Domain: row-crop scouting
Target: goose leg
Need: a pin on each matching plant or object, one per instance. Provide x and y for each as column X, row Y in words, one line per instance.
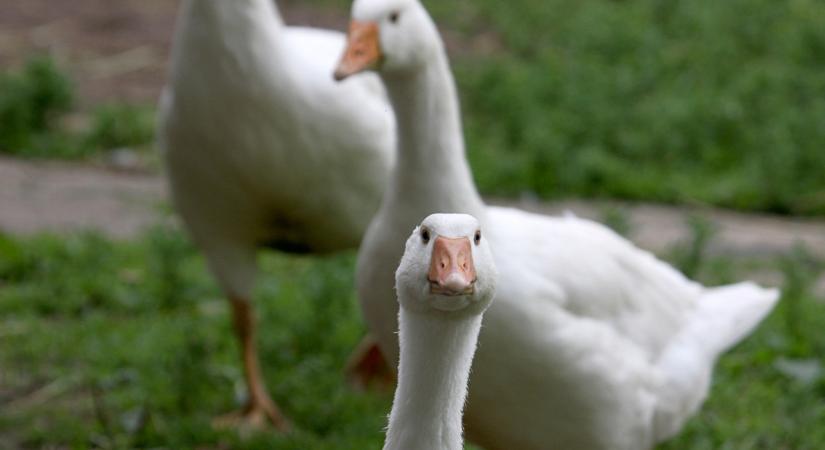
column 259, row 410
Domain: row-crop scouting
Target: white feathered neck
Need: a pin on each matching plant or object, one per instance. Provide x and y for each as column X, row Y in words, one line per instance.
column 237, row 39
column 436, row 355
column 430, row 140
column 222, row 13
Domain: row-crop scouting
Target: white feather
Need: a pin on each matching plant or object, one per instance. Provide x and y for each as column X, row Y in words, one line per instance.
column 262, row 145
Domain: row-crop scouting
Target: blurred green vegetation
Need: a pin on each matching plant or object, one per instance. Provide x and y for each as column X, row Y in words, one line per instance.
column 31, row 101
column 129, row 345
column 693, row 102
column 120, row 125
column 700, row 102
column 35, row 102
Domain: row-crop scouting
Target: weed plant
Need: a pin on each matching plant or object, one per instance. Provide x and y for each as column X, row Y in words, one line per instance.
column 34, row 103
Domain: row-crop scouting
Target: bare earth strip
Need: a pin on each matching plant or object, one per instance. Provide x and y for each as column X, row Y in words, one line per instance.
column 65, row 197
column 38, row 196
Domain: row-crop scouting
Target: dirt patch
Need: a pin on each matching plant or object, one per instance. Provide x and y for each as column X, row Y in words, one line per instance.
column 59, row 196
column 113, row 50
column 117, row 51
column 65, row 197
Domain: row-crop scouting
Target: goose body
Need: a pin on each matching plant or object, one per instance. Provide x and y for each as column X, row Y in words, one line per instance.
column 591, row 342
column 445, row 282
column 263, row 148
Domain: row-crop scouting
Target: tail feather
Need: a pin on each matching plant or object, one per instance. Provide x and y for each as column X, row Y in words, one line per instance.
column 729, row 313
column 725, row 315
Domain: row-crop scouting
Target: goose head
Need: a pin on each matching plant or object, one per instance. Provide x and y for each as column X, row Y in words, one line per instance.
column 447, row 267
column 391, row 36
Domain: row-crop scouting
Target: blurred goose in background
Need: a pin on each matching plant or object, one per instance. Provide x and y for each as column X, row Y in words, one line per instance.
column 445, row 282
column 264, row 149
column 591, row 343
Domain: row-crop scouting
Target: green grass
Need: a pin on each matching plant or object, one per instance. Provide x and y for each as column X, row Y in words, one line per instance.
column 119, row 125
column 762, row 397
column 128, row 344
column 712, row 102
column 35, row 102
column 138, row 342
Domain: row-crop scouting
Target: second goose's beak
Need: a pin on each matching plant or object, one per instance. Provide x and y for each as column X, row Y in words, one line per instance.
column 362, row 52
column 452, row 271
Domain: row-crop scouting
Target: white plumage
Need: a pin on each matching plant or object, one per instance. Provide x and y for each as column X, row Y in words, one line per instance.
column 438, row 331
column 591, row 343
column 262, row 147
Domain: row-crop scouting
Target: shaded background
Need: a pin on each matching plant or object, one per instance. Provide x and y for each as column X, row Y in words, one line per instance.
column 113, row 335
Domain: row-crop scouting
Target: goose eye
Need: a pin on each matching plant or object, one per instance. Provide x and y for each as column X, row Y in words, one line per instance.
column 477, row 237
column 425, row 235
column 394, row 17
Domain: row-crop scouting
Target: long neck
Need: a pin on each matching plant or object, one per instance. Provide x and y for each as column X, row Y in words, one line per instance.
column 432, row 168
column 436, row 355
column 226, row 46
column 232, row 15
column 226, row 35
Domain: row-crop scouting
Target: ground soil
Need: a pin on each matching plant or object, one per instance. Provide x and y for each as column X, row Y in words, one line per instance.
column 117, row 50
column 63, row 197
column 114, row 50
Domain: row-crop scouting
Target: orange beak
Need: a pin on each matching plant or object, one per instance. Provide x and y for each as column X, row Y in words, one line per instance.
column 362, row 51
column 451, row 268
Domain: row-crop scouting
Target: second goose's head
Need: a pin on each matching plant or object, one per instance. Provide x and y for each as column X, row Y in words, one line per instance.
column 392, row 36
column 447, row 267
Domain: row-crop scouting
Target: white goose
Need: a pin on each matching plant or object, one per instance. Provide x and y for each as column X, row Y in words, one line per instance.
column 263, row 148
column 591, row 343
column 445, row 282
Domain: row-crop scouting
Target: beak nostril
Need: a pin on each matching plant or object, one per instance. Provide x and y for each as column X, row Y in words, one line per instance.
column 451, row 266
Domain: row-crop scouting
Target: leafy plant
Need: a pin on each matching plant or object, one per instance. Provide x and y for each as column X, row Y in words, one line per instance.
column 33, row 103
column 119, row 125
column 30, row 103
